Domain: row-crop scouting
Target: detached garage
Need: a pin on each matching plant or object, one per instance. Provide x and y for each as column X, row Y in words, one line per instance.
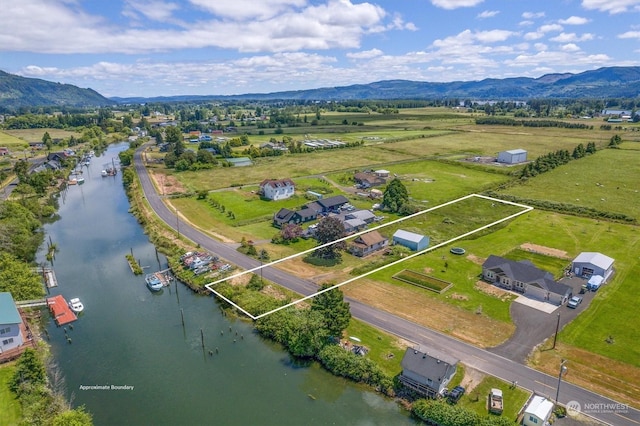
column 513, row 156
column 588, row 264
column 411, row 240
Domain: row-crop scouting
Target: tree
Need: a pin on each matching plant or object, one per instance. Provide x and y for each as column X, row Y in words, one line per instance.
column 17, row 278
column 76, row 417
column 290, row 232
column 29, row 371
column 395, row 196
column 47, row 141
column 333, row 308
column 579, row 151
column 21, row 168
column 330, row 229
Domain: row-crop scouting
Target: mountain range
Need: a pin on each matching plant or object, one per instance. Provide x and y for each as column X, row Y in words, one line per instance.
column 608, row 82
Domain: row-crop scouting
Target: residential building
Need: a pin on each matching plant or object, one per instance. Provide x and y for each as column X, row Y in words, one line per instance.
column 277, row 189
column 328, row 205
column 284, row 216
column 368, row 179
column 427, row 373
column 513, row 156
column 538, row 412
column 525, row 278
column 10, row 324
column 588, row 264
column 368, row 243
column 411, row 240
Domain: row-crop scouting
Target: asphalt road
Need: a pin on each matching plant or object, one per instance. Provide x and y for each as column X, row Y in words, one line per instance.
column 599, row 407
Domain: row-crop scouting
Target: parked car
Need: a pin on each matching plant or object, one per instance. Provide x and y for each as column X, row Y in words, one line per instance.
column 455, row 394
column 574, row 302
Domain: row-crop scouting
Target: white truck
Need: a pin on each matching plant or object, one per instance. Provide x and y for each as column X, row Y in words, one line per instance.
column 495, row 401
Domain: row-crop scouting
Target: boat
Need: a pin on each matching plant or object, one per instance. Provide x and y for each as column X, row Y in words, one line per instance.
column 154, row 282
column 104, row 173
column 80, row 180
column 76, row 305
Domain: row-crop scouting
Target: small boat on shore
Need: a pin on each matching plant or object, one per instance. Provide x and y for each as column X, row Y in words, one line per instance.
column 76, row 305
column 154, row 282
column 80, row 180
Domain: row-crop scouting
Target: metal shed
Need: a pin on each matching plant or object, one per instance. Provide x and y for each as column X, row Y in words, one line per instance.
column 513, row 156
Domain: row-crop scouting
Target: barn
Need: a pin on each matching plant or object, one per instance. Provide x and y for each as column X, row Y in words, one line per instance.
column 411, row 240
column 513, row 156
column 588, row 264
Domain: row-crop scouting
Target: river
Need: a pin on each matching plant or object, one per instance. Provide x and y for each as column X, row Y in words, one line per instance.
column 145, row 366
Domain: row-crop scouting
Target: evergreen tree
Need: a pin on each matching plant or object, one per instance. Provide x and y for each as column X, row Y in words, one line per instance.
column 333, row 308
column 395, row 195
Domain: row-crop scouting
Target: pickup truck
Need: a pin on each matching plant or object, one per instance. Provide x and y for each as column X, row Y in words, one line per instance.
column 495, row 401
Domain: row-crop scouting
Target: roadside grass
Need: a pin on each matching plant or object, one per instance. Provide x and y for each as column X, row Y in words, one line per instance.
column 11, row 413
column 555, row 265
column 607, row 180
column 386, row 350
column 477, row 399
column 247, row 205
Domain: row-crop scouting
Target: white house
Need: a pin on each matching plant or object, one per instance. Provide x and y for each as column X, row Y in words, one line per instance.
column 589, row 264
column 10, row 321
column 537, row 412
column 277, row 189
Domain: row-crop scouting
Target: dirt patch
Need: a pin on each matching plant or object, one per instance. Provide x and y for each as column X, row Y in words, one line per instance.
column 534, row 248
column 427, row 310
column 456, row 296
column 475, row 259
column 241, row 280
column 427, row 270
column 471, row 379
column 272, row 291
column 494, row 291
column 166, row 184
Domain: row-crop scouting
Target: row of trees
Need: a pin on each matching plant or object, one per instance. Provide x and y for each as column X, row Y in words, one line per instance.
column 551, row 160
column 508, row 121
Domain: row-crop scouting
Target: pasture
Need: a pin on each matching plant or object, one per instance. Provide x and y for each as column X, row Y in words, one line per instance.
column 607, row 181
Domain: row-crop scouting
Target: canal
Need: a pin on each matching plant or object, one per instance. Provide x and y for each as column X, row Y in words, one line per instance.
column 131, row 360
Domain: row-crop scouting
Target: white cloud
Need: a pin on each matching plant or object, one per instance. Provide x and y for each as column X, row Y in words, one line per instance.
column 525, row 23
column 540, row 46
column 574, row 20
column 487, row 14
column 493, row 36
column 248, row 9
column 55, row 27
column 559, row 60
column 630, row 34
column 611, row 6
column 550, row 27
column 154, row 10
column 454, row 4
column 570, row 47
column 365, row 54
column 571, row 37
column 533, row 15
column 533, row 35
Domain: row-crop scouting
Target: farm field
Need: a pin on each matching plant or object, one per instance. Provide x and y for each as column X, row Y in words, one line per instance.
column 607, row 180
column 35, row 135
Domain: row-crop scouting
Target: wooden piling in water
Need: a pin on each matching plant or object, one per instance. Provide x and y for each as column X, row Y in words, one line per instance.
column 202, row 338
column 182, row 316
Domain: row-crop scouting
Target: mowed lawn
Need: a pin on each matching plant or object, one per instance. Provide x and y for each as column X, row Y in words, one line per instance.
column 10, row 411
column 477, row 399
column 609, row 180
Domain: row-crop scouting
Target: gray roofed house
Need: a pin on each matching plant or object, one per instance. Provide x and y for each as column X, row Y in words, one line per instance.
column 427, row 373
column 364, row 215
column 326, row 205
column 284, row 216
column 524, row 277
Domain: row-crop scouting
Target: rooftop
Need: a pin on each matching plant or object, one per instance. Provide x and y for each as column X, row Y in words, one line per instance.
column 8, row 312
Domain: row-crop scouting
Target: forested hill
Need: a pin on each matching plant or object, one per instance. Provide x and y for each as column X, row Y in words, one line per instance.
column 611, row 82
column 16, row 92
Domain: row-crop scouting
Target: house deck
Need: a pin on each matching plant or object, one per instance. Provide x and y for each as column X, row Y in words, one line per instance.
column 60, row 310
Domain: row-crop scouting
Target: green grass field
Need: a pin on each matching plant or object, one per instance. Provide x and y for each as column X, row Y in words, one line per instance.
column 10, row 411
column 607, row 180
column 477, row 399
column 383, row 348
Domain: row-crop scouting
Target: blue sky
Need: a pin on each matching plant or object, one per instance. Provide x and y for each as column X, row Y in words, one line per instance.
column 211, row 47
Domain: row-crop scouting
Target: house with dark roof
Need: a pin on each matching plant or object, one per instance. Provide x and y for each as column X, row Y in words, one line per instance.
column 284, row 216
column 525, row 278
column 328, row 205
column 427, row 373
column 277, row 189
column 368, row 243
column 10, row 322
column 369, row 179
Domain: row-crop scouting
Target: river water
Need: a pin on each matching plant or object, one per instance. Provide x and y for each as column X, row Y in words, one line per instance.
column 133, row 343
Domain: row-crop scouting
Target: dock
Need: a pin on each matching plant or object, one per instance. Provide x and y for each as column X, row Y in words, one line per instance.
column 48, row 276
column 164, row 276
column 60, row 310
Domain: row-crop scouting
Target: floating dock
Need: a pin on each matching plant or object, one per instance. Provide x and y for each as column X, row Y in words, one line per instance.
column 60, row 310
column 48, row 276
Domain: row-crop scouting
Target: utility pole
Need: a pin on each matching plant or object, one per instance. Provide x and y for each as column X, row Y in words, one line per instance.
column 555, row 336
column 563, row 369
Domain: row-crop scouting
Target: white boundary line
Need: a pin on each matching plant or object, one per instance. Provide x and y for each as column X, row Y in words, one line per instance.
column 526, row 209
